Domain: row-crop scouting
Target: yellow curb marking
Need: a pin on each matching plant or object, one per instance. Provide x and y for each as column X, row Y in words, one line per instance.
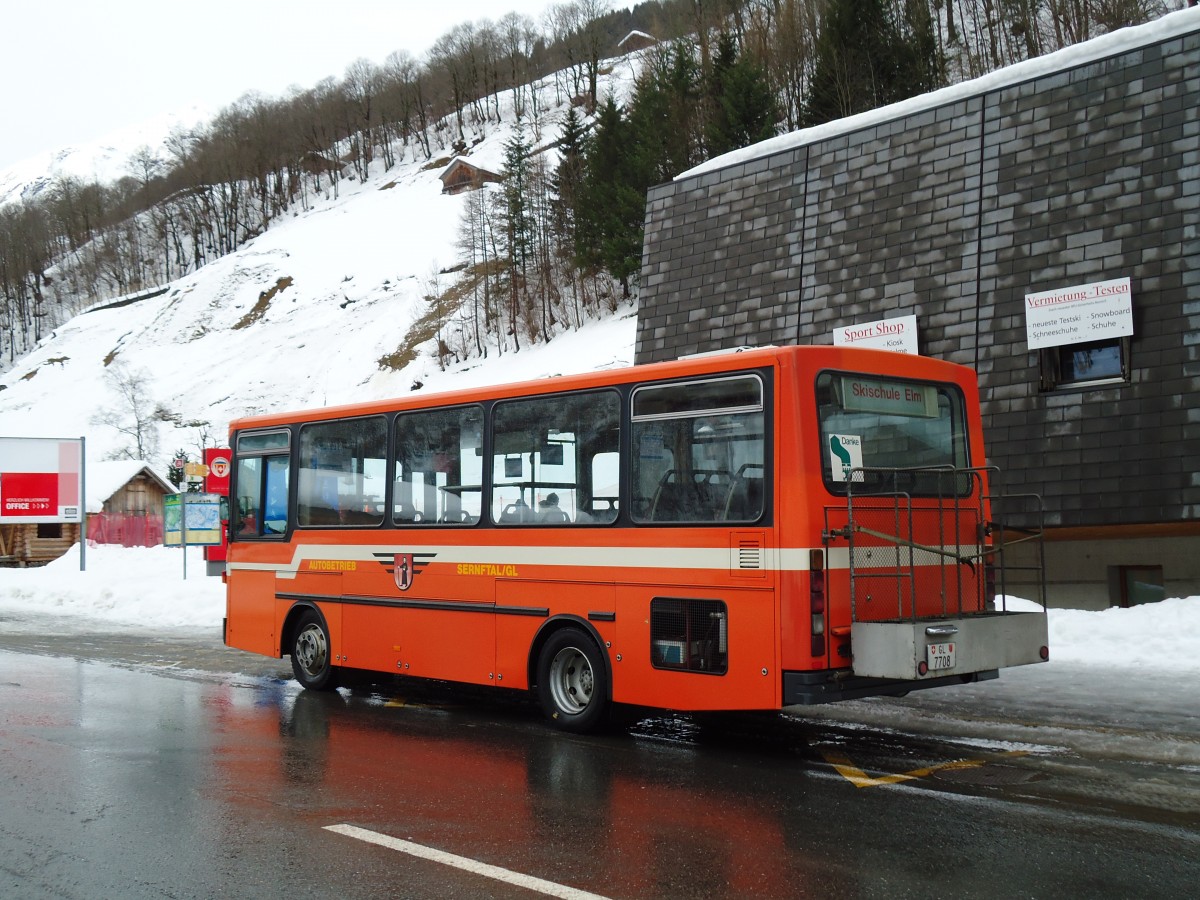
column 860, row 779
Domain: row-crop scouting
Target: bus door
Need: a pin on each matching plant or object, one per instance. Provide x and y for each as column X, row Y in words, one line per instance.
column 258, row 526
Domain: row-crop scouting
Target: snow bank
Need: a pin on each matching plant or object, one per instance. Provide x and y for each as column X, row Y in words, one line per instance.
column 1164, row 636
column 122, row 586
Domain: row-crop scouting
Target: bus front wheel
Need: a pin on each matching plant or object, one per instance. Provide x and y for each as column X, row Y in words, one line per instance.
column 572, row 682
column 311, row 662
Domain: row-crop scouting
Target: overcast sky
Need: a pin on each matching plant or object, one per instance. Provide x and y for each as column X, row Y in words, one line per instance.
column 71, row 71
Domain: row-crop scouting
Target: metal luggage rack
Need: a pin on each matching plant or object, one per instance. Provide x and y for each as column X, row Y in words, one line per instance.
column 905, row 508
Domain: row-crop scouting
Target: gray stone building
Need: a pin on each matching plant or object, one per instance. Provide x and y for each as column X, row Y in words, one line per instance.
column 966, row 208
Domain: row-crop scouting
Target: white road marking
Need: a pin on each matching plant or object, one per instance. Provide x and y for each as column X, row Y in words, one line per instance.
column 467, row 865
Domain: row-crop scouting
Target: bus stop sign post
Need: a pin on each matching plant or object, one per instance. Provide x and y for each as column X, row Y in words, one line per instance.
column 191, row 519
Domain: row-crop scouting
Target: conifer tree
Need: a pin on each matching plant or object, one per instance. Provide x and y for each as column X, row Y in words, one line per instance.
column 566, row 185
column 517, row 224
column 664, row 115
column 568, row 177
column 611, row 208
column 867, row 56
column 744, row 110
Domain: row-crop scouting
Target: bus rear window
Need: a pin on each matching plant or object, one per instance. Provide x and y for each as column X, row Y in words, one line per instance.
column 872, row 425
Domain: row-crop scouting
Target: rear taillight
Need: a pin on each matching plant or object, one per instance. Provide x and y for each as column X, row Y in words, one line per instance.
column 816, row 592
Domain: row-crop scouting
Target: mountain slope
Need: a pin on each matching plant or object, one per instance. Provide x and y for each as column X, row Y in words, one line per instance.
column 105, row 160
column 298, row 317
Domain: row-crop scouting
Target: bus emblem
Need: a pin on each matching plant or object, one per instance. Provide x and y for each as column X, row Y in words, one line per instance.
column 404, row 570
column 404, row 566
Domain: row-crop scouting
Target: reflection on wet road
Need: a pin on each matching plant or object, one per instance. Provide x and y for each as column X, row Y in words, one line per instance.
column 120, row 782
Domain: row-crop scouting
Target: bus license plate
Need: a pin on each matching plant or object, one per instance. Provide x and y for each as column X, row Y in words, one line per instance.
column 939, row 656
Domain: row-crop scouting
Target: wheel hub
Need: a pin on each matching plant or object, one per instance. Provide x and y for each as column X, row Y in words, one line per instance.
column 311, row 650
column 571, row 680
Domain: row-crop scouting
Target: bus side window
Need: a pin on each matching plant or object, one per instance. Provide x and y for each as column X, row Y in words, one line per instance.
column 342, row 473
column 438, row 476
column 699, row 450
column 555, row 459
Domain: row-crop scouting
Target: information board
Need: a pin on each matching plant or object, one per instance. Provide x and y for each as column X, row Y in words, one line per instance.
column 203, row 519
column 41, row 480
column 1076, row 315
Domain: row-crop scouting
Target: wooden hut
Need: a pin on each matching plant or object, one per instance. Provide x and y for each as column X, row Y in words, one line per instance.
column 125, row 503
column 634, row 41
column 461, row 176
column 31, row 544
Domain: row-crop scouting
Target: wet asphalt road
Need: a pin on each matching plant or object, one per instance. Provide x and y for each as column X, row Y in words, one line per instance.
column 162, row 765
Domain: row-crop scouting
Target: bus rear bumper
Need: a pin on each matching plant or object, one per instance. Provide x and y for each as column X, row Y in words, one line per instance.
column 924, row 649
column 811, row 688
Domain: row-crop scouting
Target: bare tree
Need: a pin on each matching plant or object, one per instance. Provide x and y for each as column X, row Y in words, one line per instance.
column 133, row 413
column 359, row 88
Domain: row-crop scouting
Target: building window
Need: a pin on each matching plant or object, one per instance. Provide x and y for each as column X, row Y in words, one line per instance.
column 1091, row 364
column 49, row 530
column 135, row 493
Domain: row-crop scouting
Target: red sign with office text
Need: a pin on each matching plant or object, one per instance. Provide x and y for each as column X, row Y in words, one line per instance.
column 29, row 494
column 41, row 480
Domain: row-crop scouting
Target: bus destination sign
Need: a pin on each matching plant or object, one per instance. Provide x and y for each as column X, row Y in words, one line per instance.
column 895, row 398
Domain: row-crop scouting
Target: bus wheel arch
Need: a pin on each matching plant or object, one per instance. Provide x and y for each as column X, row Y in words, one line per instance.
column 305, row 637
column 570, row 668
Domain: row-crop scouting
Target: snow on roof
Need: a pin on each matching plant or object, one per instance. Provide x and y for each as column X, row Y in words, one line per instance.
column 463, row 162
column 637, row 34
column 1116, row 42
column 103, row 479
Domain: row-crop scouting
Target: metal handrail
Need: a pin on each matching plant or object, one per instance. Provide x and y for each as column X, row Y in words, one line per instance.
column 964, row 494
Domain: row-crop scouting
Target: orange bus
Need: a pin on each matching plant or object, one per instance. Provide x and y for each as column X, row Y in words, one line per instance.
column 735, row 531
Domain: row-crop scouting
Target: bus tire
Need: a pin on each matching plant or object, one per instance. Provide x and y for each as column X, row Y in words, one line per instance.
column 311, row 663
column 572, row 681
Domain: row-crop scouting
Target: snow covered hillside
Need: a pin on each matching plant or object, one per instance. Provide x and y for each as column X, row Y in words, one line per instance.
column 298, row 317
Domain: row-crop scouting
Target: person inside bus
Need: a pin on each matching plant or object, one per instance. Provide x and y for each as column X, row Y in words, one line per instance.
column 550, row 513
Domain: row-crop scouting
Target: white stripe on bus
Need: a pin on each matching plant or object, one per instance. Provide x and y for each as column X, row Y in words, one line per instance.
column 790, row 559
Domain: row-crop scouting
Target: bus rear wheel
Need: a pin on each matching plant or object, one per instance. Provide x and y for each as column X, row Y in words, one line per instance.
column 311, row 663
column 572, row 681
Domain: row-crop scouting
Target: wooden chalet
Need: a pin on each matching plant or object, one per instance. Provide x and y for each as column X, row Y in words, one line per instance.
column 32, row 544
column 634, row 41
column 462, row 175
